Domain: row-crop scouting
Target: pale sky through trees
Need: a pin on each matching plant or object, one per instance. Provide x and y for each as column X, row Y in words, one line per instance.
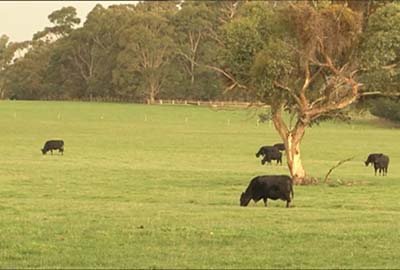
column 19, row 20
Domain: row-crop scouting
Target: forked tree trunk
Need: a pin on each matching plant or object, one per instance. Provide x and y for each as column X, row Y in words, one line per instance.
column 293, row 157
column 292, row 139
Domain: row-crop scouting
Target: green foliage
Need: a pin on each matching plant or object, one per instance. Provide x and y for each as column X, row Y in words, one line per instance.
column 64, row 21
column 25, row 78
column 146, row 48
column 242, row 42
column 276, row 61
column 386, row 108
column 130, row 51
column 380, row 50
column 140, row 187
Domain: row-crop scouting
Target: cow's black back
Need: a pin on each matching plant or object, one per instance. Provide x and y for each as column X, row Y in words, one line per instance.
column 280, row 146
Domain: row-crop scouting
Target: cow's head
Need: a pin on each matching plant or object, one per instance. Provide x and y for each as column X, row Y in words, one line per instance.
column 244, row 199
column 43, row 151
column 265, row 159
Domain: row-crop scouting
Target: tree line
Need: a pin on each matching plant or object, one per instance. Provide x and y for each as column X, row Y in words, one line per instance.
column 167, row 50
column 130, row 52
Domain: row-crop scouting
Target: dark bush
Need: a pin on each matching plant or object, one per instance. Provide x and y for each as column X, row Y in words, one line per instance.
column 386, row 108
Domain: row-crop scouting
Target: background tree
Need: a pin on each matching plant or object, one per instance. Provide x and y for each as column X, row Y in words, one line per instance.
column 64, row 21
column 24, row 78
column 307, row 65
column 193, row 25
column 5, row 58
column 146, row 46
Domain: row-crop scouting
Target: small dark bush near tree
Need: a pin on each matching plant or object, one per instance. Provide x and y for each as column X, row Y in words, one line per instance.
column 386, row 108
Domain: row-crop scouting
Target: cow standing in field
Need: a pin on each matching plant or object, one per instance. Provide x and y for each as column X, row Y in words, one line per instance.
column 53, row 145
column 380, row 161
column 270, row 153
column 268, row 187
column 265, row 150
column 273, row 155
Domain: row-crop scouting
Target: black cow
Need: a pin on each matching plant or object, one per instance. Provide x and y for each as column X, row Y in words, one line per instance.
column 264, row 150
column 273, row 155
column 53, row 145
column 268, row 187
column 380, row 161
column 372, row 157
column 279, row 146
column 382, row 164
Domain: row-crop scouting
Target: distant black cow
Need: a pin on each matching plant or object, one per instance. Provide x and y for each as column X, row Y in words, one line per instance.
column 380, row 161
column 273, row 155
column 53, row 145
column 372, row 157
column 268, row 187
column 264, row 150
column 280, row 146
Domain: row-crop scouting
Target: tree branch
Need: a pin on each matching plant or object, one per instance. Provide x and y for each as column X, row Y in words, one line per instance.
column 277, row 119
column 291, row 92
column 379, row 93
column 334, row 167
column 227, row 75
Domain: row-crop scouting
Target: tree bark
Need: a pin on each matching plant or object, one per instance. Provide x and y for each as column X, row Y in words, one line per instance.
column 296, row 168
column 292, row 139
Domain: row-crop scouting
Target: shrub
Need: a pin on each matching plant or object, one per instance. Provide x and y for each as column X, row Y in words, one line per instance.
column 386, row 108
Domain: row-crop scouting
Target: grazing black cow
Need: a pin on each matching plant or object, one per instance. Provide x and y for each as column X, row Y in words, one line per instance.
column 279, row 146
column 53, row 145
column 273, row 155
column 380, row 161
column 268, row 187
column 372, row 157
column 264, row 150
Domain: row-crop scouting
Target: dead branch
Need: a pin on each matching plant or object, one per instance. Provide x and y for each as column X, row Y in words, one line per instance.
column 334, row 167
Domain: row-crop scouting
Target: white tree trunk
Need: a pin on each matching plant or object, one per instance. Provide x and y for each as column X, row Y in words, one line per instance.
column 292, row 139
column 294, row 160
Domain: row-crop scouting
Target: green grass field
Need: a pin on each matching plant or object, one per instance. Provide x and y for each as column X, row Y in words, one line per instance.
column 158, row 187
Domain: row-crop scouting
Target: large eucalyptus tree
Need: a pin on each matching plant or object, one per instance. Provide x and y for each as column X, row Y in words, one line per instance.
column 307, row 60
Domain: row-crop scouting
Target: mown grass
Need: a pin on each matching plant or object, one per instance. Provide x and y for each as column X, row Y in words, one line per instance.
column 158, row 187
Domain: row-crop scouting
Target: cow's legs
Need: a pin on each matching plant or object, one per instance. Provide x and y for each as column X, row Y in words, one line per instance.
column 265, row 201
column 287, row 203
column 51, row 150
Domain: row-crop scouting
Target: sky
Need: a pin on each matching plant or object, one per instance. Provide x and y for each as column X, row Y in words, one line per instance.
column 19, row 20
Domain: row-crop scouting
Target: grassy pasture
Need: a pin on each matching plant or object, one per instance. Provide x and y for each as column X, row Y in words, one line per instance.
column 158, row 187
